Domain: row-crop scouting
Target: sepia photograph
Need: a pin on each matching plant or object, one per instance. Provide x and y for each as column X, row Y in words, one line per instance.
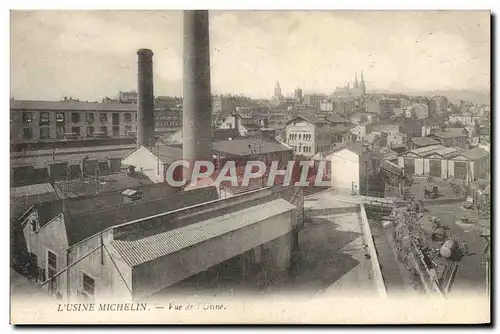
column 250, row 166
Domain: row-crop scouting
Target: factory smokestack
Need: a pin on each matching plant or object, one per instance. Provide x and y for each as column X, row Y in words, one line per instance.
column 197, row 99
column 145, row 105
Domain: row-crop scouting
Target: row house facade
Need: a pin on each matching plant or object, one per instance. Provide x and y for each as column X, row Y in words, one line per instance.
column 168, row 120
column 310, row 135
column 46, row 121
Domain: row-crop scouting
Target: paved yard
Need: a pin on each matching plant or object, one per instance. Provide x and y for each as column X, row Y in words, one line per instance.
column 445, row 189
column 472, row 272
column 332, row 252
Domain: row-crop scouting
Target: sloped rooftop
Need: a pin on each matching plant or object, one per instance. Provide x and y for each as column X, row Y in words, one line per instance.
column 135, row 252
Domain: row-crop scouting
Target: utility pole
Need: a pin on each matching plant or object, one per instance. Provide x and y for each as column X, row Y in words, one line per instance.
column 97, row 179
column 157, row 156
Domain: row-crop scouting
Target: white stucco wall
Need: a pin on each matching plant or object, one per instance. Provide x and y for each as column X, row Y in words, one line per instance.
column 444, row 169
column 451, row 169
column 51, row 237
column 427, row 167
column 345, row 170
column 401, row 162
column 143, row 158
column 419, row 166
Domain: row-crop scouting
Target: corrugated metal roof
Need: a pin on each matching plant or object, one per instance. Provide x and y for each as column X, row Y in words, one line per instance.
column 71, row 106
column 241, row 147
column 391, row 167
column 473, row 154
column 336, row 119
column 83, row 225
column 73, row 150
column 72, row 159
column 434, row 149
column 308, row 117
column 135, row 252
column 451, row 133
column 424, row 141
column 32, row 190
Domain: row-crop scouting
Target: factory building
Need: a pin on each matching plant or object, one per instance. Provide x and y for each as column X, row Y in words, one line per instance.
column 128, row 243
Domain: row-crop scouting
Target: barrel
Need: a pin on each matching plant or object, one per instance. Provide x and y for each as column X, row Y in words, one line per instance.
column 448, row 249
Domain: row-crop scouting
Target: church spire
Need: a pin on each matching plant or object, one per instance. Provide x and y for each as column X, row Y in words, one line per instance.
column 362, row 85
column 355, row 79
column 277, row 91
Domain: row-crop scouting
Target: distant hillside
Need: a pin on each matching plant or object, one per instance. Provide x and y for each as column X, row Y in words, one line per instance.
column 452, row 94
column 457, row 95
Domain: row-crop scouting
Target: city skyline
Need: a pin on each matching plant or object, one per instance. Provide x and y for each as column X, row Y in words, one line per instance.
column 94, row 52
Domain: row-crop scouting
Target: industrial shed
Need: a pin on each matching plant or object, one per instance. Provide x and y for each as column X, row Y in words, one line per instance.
column 429, row 160
column 469, row 165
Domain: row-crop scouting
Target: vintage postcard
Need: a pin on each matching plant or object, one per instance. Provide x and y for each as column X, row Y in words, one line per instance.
column 250, row 167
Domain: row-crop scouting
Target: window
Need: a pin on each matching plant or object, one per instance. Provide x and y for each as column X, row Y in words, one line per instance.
column 104, row 130
column 27, row 117
column 128, row 129
column 60, row 131
column 27, row 133
column 128, row 117
column 33, row 226
column 60, row 117
column 90, row 118
column 44, row 132
column 76, row 130
column 300, row 136
column 44, row 118
column 116, row 131
column 88, row 285
column 115, row 119
column 90, row 131
column 103, row 117
column 75, row 117
column 51, row 261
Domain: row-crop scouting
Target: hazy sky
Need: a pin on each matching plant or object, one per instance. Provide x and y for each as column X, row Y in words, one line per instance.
column 92, row 54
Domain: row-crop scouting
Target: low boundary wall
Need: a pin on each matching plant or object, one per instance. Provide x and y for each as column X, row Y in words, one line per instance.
column 377, row 272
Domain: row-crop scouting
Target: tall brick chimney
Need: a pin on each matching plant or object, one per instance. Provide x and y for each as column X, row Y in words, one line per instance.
column 197, row 99
column 145, row 105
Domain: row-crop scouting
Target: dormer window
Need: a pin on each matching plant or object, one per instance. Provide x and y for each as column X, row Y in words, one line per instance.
column 130, row 196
